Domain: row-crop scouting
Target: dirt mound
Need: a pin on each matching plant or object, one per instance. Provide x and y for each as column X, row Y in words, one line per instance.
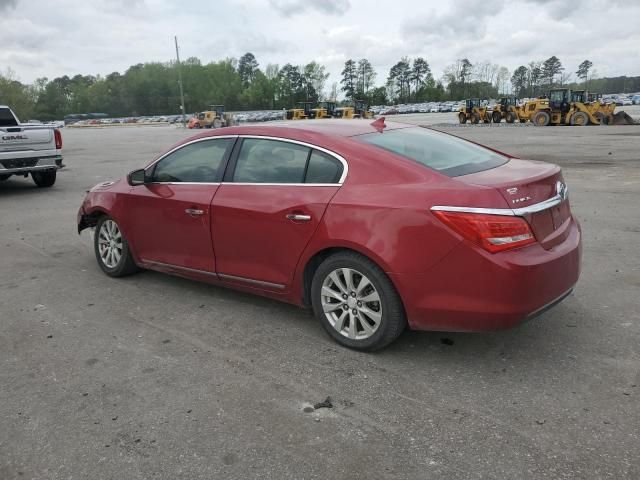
column 622, row 118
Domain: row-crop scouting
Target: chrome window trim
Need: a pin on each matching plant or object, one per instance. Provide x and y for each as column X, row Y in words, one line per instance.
column 203, row 139
column 283, row 184
column 183, row 183
column 515, row 212
column 340, row 158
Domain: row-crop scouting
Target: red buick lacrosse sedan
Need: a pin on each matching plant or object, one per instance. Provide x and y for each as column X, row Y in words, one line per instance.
column 375, row 226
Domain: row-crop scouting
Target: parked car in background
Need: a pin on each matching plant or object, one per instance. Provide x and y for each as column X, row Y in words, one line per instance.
column 29, row 149
column 373, row 225
column 636, row 99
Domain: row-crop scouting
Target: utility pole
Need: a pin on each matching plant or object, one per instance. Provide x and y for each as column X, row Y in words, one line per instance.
column 180, row 83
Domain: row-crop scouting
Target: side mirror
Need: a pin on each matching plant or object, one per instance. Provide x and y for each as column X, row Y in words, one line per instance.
column 137, row 177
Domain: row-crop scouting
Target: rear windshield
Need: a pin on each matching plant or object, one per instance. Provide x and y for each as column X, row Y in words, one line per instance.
column 7, row 119
column 446, row 154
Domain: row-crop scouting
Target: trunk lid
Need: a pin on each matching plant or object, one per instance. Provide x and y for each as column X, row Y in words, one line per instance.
column 523, row 183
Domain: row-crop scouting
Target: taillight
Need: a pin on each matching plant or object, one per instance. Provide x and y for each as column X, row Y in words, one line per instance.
column 494, row 233
column 58, row 137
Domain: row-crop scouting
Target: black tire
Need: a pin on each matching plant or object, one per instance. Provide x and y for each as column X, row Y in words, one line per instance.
column 393, row 320
column 462, row 118
column 541, row 119
column 44, row 179
column 579, row 119
column 126, row 265
column 4, row 177
column 475, row 118
column 496, row 117
column 602, row 118
column 511, row 117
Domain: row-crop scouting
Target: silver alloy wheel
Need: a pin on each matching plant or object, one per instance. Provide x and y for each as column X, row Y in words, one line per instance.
column 351, row 303
column 110, row 244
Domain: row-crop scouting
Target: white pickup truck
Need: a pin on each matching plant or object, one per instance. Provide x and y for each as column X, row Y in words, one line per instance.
column 29, row 149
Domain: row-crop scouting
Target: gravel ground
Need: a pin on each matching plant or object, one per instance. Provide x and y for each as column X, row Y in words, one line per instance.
column 159, row 377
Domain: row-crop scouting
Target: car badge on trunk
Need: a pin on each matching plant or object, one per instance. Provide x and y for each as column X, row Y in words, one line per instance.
column 562, row 190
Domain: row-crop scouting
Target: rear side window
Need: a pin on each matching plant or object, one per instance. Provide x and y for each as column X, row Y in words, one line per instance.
column 195, row 163
column 7, row 119
column 323, row 168
column 270, row 161
column 446, row 154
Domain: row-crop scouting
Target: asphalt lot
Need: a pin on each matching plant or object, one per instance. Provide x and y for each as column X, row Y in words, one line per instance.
column 154, row 376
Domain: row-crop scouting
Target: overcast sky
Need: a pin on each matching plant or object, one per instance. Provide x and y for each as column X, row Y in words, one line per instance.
column 58, row 37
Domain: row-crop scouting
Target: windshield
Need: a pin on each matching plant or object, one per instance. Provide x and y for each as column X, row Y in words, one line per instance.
column 446, row 154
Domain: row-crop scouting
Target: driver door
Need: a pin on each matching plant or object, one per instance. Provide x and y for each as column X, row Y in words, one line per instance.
column 170, row 218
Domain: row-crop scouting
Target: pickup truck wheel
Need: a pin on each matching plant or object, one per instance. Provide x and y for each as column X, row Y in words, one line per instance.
column 44, row 179
column 112, row 249
column 356, row 302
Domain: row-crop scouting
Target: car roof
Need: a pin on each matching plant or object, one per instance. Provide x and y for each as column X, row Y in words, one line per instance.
column 306, row 128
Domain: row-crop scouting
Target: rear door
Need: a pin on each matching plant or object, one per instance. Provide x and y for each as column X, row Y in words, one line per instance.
column 265, row 212
column 169, row 218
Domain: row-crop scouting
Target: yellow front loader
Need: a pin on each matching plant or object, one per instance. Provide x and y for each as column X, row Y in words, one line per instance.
column 325, row 110
column 565, row 107
column 302, row 112
column 508, row 109
column 473, row 111
column 359, row 110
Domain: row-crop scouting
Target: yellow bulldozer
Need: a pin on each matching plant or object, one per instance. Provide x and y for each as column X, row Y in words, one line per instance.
column 508, row 109
column 325, row 110
column 302, row 112
column 212, row 118
column 473, row 111
column 360, row 109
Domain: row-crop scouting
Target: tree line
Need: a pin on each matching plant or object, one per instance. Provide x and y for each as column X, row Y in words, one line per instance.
column 241, row 84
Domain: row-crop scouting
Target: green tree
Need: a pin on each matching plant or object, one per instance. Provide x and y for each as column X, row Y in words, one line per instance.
column 583, row 71
column 314, row 79
column 550, row 68
column 519, row 80
column 247, row 68
column 400, row 80
column 349, row 79
column 421, row 73
column 366, row 75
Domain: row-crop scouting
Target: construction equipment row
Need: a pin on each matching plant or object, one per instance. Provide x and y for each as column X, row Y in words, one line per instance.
column 562, row 107
column 307, row 111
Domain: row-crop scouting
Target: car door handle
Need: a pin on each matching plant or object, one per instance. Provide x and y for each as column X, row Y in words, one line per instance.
column 194, row 212
column 297, row 217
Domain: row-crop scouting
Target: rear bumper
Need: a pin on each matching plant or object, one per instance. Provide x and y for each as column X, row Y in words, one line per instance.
column 10, row 166
column 471, row 290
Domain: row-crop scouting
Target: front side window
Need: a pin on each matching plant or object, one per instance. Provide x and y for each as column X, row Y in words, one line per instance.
column 270, row 161
column 446, row 154
column 197, row 162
